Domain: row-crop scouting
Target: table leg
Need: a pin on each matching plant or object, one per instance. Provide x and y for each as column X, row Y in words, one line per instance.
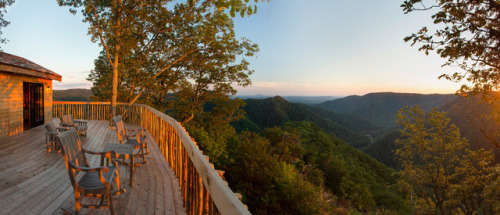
column 132, row 169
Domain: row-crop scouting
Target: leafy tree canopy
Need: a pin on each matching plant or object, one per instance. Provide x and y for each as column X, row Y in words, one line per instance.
column 441, row 175
column 156, row 48
column 3, row 22
column 467, row 34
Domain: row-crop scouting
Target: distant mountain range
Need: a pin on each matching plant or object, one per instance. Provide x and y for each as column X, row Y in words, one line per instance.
column 308, row 100
column 72, row 95
column 381, row 108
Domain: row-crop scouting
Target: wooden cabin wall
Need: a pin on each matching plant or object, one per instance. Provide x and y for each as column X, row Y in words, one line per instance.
column 11, row 101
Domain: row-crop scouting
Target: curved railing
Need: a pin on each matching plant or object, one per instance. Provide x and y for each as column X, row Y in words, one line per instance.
column 203, row 190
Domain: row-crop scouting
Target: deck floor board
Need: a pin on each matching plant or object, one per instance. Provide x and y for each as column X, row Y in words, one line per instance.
column 33, row 181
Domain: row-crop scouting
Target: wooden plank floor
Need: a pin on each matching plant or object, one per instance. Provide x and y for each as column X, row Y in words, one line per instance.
column 33, row 181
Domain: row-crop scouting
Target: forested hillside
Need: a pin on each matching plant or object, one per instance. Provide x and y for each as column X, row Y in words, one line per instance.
column 297, row 168
column 318, row 158
column 383, row 149
column 276, row 111
column 72, row 95
column 308, row 100
column 284, row 161
column 381, row 108
column 466, row 113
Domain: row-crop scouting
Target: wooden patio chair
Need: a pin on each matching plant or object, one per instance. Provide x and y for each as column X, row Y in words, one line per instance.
column 137, row 140
column 79, row 125
column 89, row 181
column 51, row 136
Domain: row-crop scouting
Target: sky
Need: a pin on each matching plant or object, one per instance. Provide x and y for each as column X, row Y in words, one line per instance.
column 307, row 47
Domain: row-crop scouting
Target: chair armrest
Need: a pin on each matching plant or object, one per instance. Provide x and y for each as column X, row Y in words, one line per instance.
column 134, row 136
column 137, row 137
column 64, row 124
column 62, row 129
column 80, row 122
column 89, row 169
column 99, row 169
column 140, row 130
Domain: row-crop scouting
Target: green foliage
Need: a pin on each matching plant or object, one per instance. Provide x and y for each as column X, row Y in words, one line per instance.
column 252, row 170
column 286, row 145
column 354, row 122
column 440, row 173
column 268, row 185
column 467, row 35
column 276, row 111
column 298, row 195
column 160, row 48
column 382, row 108
column 3, row 22
column 72, row 95
column 349, row 173
column 383, row 149
column 293, row 169
column 212, row 129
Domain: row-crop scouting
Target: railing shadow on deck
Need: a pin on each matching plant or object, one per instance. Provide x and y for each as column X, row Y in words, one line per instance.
column 203, row 190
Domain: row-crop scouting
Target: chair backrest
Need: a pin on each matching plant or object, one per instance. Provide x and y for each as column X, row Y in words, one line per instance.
column 67, row 119
column 120, row 128
column 51, row 127
column 73, row 153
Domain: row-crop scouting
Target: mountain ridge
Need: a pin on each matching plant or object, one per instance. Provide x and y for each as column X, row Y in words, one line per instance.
column 276, row 111
column 380, row 108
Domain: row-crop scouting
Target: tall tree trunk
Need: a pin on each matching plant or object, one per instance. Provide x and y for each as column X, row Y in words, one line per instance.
column 114, row 92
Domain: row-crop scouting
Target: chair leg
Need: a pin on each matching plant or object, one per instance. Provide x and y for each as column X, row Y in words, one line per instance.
column 101, row 203
column 143, row 155
column 47, row 142
column 110, row 201
column 77, row 202
column 118, row 185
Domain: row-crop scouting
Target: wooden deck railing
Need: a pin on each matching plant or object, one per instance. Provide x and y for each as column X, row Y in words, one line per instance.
column 203, row 190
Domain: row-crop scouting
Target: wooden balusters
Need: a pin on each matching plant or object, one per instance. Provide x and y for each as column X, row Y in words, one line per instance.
column 196, row 175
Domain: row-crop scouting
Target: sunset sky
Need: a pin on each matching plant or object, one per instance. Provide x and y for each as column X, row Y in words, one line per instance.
column 313, row 47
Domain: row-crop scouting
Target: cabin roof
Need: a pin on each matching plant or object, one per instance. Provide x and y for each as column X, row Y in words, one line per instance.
column 18, row 65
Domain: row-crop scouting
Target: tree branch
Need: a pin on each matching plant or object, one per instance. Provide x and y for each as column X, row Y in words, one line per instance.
column 100, row 33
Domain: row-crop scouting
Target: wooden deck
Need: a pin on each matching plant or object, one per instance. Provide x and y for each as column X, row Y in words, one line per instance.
column 33, row 181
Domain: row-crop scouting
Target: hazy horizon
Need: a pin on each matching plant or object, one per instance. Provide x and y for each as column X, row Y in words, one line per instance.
column 294, row 95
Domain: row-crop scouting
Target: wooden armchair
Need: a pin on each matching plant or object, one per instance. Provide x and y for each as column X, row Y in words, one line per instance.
column 130, row 133
column 51, row 136
column 89, row 181
column 79, row 125
column 137, row 140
